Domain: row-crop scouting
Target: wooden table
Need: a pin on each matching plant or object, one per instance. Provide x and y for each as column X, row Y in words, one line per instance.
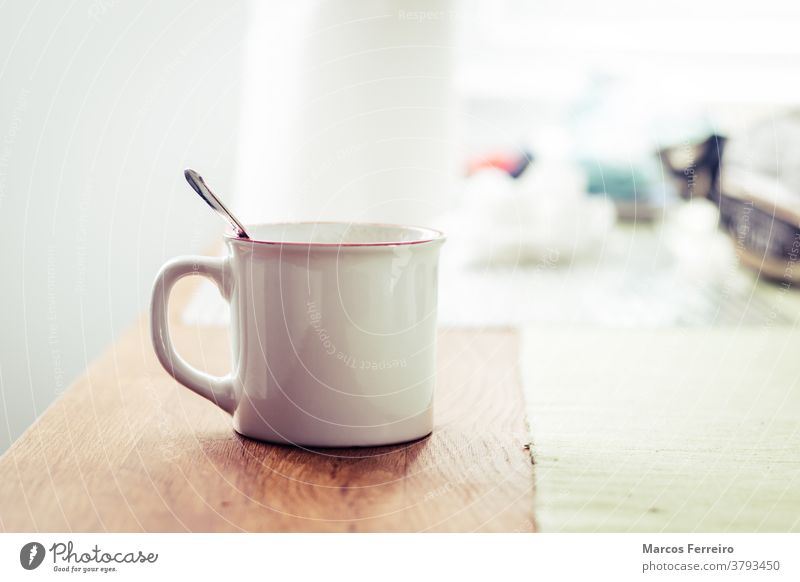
column 128, row 449
column 693, row 429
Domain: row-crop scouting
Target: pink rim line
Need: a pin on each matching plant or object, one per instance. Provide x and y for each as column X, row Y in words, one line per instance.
column 436, row 235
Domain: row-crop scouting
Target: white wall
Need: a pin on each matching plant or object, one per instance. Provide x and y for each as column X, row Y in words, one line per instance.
column 102, row 105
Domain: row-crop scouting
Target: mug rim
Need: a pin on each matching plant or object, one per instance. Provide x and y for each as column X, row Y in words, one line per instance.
column 434, row 235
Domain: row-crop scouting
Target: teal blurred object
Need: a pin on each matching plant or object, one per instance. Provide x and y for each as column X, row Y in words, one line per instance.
column 616, row 133
column 638, row 191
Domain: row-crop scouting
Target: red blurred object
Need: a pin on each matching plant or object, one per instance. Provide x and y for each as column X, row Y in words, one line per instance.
column 512, row 163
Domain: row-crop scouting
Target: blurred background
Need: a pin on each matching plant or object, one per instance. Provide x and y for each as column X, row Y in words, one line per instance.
column 630, row 164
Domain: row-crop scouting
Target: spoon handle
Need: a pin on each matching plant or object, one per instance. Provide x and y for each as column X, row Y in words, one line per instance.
column 198, row 185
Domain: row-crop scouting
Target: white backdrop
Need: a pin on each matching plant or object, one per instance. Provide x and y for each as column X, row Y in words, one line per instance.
column 102, row 104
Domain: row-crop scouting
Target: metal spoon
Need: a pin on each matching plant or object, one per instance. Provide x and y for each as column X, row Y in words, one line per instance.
column 199, row 186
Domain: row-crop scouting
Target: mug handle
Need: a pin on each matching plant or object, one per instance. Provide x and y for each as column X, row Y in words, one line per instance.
column 219, row 390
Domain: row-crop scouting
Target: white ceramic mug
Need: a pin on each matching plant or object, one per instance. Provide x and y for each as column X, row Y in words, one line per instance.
column 333, row 329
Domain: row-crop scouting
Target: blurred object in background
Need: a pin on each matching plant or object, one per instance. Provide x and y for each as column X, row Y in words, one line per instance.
column 699, row 250
column 513, row 163
column 616, row 126
column 753, row 178
column 349, row 112
column 694, row 166
column 544, row 215
column 635, row 189
column 760, row 196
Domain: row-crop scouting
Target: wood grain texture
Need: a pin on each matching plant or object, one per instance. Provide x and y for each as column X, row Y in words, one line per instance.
column 665, row 430
column 128, row 449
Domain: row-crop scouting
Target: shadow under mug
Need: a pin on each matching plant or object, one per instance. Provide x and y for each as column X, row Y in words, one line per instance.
column 333, row 329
